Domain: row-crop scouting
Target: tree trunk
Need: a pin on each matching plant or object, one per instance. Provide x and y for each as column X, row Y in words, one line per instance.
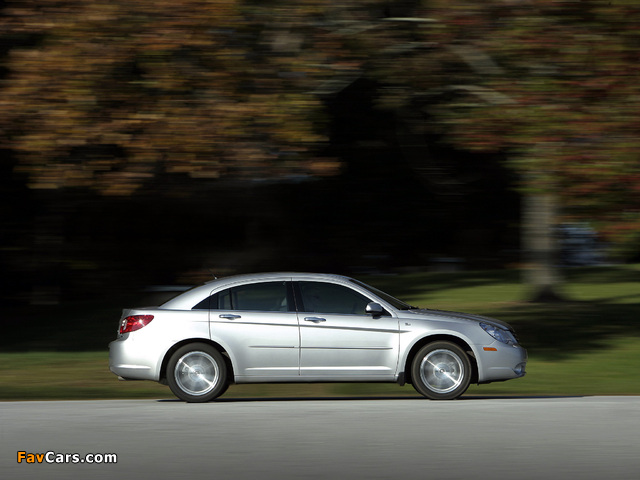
column 540, row 246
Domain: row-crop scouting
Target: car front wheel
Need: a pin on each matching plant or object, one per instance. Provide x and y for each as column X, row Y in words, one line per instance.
column 197, row 373
column 441, row 371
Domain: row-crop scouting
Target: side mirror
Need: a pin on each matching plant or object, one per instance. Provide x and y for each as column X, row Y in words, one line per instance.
column 374, row 309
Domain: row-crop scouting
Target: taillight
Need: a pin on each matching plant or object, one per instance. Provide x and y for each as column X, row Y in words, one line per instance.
column 134, row 322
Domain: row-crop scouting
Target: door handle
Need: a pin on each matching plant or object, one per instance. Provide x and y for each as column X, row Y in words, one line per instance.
column 229, row 316
column 315, row 319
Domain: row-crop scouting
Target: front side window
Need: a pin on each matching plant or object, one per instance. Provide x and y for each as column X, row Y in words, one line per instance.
column 323, row 297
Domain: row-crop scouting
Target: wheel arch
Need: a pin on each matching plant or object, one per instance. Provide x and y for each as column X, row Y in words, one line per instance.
column 436, row 338
column 174, row 348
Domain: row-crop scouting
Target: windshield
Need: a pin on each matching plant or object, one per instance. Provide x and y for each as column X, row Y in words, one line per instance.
column 394, row 302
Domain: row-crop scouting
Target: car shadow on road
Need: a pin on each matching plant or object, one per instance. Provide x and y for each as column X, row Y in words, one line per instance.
column 376, row 398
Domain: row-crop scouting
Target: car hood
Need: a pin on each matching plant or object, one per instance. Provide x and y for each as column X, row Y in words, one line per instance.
column 443, row 314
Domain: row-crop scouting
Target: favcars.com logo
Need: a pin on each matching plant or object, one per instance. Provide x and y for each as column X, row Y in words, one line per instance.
column 53, row 457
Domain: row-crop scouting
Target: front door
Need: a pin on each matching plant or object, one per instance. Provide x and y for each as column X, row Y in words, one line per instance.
column 338, row 340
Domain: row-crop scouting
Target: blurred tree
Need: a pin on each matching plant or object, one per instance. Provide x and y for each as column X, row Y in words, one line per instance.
column 110, row 95
column 115, row 92
column 555, row 85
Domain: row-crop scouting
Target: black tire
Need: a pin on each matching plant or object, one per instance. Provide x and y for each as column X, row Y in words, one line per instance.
column 441, row 371
column 197, row 373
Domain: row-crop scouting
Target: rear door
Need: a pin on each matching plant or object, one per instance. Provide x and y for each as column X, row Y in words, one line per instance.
column 338, row 340
column 258, row 324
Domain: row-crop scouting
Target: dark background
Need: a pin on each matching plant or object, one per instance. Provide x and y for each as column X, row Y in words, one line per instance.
column 377, row 215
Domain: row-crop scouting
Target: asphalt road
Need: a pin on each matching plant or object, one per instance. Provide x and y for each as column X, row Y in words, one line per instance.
column 477, row 438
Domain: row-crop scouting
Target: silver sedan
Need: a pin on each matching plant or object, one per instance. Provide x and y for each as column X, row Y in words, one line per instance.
column 303, row 327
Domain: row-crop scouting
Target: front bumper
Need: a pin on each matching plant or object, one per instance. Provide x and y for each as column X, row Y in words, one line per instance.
column 499, row 362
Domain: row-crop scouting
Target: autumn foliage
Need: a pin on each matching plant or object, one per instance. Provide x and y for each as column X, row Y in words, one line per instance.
column 111, row 92
column 107, row 94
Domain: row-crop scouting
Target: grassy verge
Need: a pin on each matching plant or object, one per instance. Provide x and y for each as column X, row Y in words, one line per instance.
column 587, row 346
column 610, row 370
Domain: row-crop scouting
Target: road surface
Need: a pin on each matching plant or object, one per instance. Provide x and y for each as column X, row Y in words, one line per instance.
column 369, row 438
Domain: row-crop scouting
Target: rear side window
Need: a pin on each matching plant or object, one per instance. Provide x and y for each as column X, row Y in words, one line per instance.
column 265, row 297
column 206, row 303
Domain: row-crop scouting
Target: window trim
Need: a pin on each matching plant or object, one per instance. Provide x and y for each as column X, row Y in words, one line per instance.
column 300, row 303
column 206, row 304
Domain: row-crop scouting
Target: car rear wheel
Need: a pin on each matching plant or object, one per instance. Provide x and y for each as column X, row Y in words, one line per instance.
column 441, row 371
column 197, row 373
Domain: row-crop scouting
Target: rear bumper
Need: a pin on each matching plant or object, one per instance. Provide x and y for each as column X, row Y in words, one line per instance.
column 130, row 364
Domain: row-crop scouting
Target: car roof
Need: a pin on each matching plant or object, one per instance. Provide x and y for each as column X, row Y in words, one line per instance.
column 276, row 275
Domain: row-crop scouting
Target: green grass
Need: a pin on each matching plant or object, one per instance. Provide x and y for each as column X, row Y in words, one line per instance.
column 589, row 345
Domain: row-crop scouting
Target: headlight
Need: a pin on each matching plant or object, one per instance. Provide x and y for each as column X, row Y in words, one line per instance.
column 500, row 334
